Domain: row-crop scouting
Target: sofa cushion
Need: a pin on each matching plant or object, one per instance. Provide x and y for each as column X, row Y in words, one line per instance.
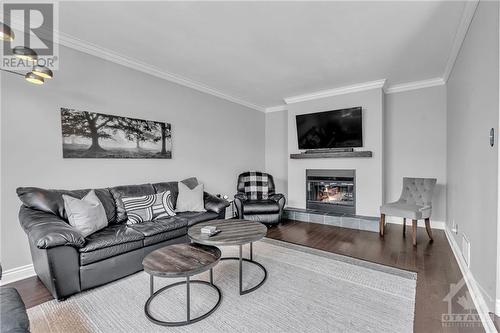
column 109, row 242
column 165, row 236
column 260, row 207
column 168, row 186
column 128, row 191
column 196, row 217
column 158, row 226
column 162, row 229
column 51, row 201
column 12, row 312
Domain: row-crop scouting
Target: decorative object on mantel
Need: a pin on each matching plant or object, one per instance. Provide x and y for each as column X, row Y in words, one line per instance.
column 332, row 154
column 39, row 73
column 95, row 135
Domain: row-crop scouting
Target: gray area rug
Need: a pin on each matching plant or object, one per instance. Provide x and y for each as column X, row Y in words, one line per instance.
column 307, row 291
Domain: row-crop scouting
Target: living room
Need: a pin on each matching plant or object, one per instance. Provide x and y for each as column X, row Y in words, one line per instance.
column 385, row 218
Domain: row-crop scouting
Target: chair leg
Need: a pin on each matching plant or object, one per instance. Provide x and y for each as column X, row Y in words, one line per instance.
column 428, row 228
column 382, row 224
column 414, row 232
column 404, row 227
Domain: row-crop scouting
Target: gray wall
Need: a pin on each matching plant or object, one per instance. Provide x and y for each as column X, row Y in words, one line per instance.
column 277, row 149
column 213, row 139
column 472, row 165
column 415, row 142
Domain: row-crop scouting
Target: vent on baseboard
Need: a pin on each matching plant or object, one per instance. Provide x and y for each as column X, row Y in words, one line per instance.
column 466, row 250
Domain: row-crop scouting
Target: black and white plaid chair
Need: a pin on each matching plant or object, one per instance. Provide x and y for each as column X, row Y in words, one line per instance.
column 256, row 199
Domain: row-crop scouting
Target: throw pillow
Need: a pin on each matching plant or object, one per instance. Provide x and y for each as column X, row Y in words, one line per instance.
column 190, row 200
column 86, row 215
column 190, row 182
column 148, row 207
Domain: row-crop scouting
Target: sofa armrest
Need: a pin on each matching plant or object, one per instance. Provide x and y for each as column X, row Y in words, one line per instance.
column 214, row 203
column 280, row 199
column 277, row 197
column 46, row 230
column 239, row 199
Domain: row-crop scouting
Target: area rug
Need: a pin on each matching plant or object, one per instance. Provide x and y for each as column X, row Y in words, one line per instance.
column 307, row 290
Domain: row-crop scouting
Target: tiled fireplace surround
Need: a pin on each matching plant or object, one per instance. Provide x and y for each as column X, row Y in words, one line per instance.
column 331, row 214
column 339, row 220
column 326, row 213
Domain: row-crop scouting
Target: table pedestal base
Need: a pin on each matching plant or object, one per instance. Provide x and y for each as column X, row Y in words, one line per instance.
column 241, row 259
column 188, row 308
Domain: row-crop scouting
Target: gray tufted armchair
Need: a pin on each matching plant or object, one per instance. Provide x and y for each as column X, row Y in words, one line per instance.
column 415, row 203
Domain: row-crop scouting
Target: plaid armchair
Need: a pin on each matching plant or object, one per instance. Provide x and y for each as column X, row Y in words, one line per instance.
column 256, row 199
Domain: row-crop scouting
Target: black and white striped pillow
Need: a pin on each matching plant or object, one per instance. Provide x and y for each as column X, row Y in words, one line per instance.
column 148, row 207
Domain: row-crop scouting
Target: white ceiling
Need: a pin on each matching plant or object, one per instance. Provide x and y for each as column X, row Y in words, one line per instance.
column 262, row 52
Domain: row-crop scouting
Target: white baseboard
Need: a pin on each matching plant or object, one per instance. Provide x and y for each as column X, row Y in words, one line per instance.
column 441, row 225
column 497, row 307
column 16, row 274
column 474, row 288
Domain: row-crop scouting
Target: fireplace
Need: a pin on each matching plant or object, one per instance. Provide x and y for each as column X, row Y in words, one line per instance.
column 331, row 191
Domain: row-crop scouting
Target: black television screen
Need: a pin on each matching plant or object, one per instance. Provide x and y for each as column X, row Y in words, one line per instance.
column 330, row 129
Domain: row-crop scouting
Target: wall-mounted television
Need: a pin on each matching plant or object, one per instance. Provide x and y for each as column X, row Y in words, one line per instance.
column 330, row 129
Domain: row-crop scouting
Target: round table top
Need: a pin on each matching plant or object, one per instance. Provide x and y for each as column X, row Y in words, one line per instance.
column 232, row 232
column 181, row 260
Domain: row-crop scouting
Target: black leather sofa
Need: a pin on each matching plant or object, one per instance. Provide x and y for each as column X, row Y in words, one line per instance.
column 13, row 316
column 67, row 263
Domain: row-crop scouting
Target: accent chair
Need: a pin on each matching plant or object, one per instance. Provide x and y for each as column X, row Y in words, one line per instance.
column 415, row 203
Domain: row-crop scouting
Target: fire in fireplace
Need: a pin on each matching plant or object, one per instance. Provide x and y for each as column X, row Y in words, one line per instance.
column 331, row 190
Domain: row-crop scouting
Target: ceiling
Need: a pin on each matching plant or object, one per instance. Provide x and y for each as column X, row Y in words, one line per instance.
column 262, row 52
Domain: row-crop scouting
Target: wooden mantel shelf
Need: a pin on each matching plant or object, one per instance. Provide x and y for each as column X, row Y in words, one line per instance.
column 340, row 154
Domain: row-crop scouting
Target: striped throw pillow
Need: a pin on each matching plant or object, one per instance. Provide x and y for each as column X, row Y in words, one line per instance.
column 148, row 207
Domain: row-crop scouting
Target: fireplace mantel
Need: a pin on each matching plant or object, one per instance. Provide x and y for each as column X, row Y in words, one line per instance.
column 343, row 154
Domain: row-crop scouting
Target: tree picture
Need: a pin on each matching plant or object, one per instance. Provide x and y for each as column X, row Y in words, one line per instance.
column 95, row 135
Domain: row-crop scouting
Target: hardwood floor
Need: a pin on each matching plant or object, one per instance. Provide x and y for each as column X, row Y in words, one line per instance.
column 434, row 263
column 32, row 291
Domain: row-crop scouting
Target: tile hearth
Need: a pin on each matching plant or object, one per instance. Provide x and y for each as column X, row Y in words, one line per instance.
column 366, row 223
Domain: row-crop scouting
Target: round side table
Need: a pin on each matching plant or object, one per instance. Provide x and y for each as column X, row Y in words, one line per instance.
column 181, row 260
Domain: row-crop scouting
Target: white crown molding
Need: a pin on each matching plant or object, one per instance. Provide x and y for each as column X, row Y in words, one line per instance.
column 463, row 27
column 95, row 50
column 276, row 108
column 415, row 85
column 335, row 91
column 16, row 274
column 472, row 285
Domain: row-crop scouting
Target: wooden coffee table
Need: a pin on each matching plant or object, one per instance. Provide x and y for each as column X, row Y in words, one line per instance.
column 233, row 232
column 181, row 260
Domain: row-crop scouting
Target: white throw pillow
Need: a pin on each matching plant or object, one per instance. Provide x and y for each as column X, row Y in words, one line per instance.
column 190, row 200
column 86, row 215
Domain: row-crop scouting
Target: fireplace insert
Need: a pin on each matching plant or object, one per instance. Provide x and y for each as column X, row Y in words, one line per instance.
column 331, row 191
